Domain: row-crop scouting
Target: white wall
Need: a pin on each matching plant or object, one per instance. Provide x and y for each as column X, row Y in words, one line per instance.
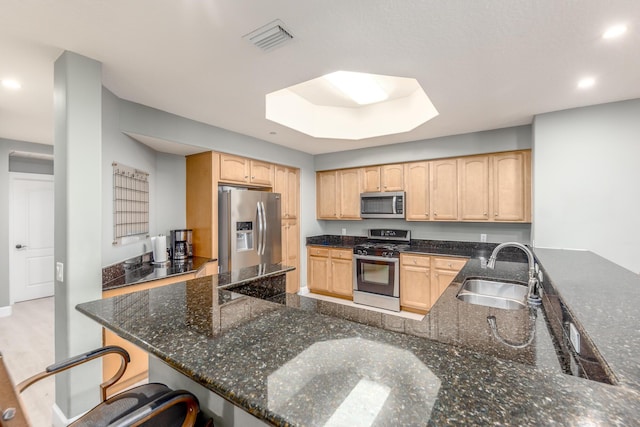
column 586, row 177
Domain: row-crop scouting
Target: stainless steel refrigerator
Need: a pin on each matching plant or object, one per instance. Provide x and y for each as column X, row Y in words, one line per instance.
column 249, row 230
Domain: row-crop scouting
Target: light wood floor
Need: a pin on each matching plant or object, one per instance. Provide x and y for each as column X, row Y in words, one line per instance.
column 26, row 342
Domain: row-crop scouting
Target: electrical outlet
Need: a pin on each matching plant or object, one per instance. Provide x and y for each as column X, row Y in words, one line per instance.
column 59, row 272
column 574, row 337
column 483, row 237
column 344, row 231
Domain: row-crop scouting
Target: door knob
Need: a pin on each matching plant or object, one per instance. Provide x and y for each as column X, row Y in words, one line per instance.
column 19, row 246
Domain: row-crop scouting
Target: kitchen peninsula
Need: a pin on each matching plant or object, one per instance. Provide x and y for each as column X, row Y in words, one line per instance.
column 292, row 360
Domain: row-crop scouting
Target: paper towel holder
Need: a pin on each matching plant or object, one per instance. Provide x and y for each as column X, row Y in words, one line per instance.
column 159, row 248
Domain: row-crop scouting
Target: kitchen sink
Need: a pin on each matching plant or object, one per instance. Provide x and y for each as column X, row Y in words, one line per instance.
column 490, row 293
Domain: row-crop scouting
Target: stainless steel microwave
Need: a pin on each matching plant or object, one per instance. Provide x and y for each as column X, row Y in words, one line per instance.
column 382, row 205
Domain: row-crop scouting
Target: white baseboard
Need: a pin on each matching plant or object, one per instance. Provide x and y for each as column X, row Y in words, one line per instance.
column 59, row 419
column 5, row 311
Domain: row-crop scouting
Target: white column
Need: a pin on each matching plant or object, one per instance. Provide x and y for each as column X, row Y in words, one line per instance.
column 77, row 172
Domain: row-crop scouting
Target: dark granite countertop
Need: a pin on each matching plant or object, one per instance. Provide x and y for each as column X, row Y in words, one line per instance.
column 292, row 360
column 605, row 299
column 140, row 270
column 426, row 247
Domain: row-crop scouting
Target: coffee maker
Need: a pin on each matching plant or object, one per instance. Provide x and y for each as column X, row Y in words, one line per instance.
column 181, row 246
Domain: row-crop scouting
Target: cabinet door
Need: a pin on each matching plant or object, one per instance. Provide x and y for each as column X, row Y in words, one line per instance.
column 415, row 288
column 510, row 195
column 440, row 280
column 371, row 179
column 280, row 186
column 326, row 193
column 349, row 194
column 443, row 189
column 261, row 173
column 341, row 276
column 417, row 191
column 290, row 253
column 293, row 191
column 318, row 273
column 474, row 188
column 234, row 168
column 392, row 177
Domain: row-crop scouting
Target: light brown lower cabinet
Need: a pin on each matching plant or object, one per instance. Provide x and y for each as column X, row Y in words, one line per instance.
column 138, row 368
column 424, row 278
column 330, row 271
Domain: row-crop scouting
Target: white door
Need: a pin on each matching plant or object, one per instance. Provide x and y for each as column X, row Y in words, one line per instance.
column 31, row 236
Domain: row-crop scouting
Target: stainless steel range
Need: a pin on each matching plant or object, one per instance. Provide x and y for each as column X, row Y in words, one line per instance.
column 376, row 268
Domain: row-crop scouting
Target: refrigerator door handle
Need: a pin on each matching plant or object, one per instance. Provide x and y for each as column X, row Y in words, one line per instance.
column 259, row 225
column 264, row 228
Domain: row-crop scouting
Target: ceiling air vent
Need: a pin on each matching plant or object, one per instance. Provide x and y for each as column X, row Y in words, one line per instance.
column 270, row 36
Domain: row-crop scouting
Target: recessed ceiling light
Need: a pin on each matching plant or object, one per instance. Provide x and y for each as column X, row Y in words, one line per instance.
column 615, row 31
column 11, row 84
column 587, row 82
column 361, row 87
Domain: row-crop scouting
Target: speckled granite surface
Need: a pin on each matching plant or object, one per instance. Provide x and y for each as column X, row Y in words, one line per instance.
column 288, row 363
column 427, row 247
column 605, row 298
column 140, row 270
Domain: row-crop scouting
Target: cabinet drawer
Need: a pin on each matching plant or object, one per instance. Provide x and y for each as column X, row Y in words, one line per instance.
column 342, row 254
column 315, row 251
column 449, row 263
column 419, row 260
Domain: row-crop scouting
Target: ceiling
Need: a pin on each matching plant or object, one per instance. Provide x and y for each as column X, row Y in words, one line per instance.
column 485, row 64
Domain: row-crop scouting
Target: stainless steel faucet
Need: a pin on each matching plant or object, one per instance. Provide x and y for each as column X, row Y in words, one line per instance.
column 533, row 284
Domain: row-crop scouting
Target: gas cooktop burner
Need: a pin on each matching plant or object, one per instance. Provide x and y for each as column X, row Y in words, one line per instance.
column 384, row 243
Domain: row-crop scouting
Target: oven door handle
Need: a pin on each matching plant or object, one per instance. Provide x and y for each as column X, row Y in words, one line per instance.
column 377, row 258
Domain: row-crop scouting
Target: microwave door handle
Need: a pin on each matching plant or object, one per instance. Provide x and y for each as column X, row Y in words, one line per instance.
column 393, row 204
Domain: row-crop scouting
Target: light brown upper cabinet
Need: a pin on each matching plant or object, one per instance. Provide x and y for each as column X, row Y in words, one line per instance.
column 416, row 184
column 383, row 178
column 473, row 174
column 512, row 186
column 338, row 194
column 492, row 187
column 495, row 187
column 240, row 170
column 285, row 182
column 443, row 190
column 326, row 195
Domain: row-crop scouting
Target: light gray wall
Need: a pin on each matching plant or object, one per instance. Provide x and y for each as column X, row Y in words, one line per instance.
column 170, row 193
column 6, row 146
column 514, row 138
column 166, row 183
column 143, row 120
column 457, row 231
column 491, row 141
column 586, row 177
column 30, row 165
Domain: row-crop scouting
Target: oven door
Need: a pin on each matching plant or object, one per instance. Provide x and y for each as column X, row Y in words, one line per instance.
column 376, row 275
